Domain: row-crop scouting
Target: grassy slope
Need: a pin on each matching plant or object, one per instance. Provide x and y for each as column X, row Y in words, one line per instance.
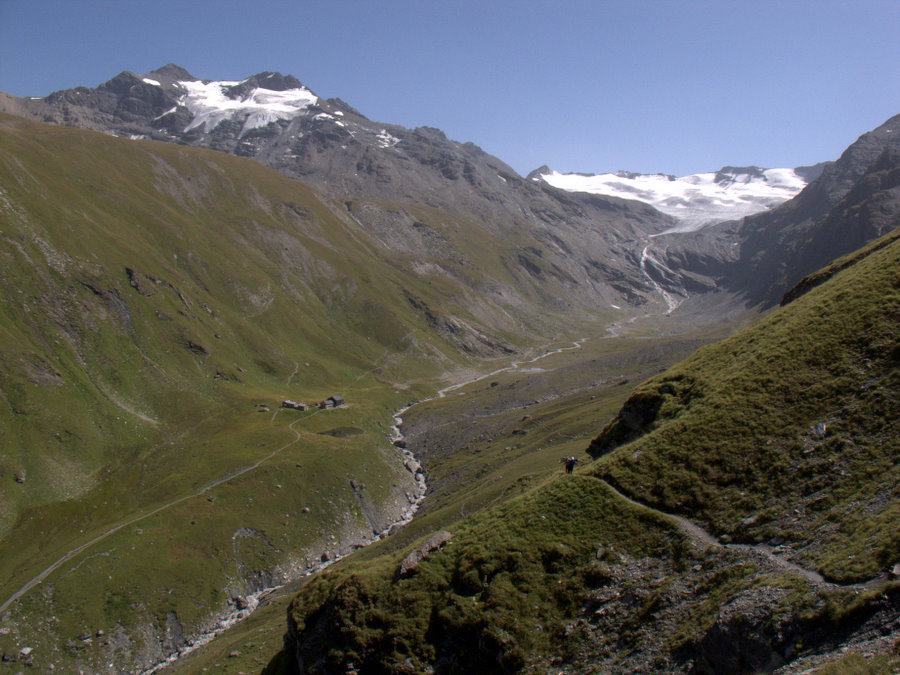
column 152, row 295
column 125, row 390
column 475, row 462
column 491, row 601
column 536, row 564
column 737, row 441
column 501, row 590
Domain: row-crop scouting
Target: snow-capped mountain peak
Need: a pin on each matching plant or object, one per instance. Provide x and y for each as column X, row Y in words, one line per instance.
column 697, row 199
column 211, row 103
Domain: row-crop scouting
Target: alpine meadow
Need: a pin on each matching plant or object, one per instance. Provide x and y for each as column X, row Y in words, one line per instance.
column 288, row 390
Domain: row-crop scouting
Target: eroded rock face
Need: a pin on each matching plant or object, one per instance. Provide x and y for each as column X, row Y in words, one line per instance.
column 638, row 412
column 641, row 410
column 853, row 201
column 746, row 637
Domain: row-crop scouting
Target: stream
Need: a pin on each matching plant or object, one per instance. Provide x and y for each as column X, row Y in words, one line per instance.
column 246, row 605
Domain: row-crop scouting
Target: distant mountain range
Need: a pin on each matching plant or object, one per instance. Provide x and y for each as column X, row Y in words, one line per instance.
column 622, row 239
column 855, row 200
column 571, row 250
column 160, row 300
column 277, row 120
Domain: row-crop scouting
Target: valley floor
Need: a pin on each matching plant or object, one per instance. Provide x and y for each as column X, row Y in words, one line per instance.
column 483, row 438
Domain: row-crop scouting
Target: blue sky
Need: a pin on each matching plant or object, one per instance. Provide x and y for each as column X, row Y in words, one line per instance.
column 674, row 86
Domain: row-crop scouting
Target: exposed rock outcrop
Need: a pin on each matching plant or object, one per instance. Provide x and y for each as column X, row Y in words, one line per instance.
column 411, row 561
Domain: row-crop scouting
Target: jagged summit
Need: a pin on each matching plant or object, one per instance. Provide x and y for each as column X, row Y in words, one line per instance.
column 169, row 74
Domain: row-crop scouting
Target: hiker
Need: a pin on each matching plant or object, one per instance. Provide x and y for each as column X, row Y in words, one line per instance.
column 570, row 464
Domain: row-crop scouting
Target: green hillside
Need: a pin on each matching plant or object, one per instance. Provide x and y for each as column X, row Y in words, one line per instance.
column 572, row 576
column 788, row 431
column 158, row 303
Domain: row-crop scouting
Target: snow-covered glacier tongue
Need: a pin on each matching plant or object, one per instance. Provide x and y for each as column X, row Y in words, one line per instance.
column 695, row 200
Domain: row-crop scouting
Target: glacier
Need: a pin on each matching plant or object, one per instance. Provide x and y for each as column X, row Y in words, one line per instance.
column 210, row 104
column 695, row 200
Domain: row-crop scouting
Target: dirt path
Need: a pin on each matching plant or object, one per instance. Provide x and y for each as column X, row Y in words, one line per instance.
column 38, row 578
column 703, row 540
column 515, row 365
column 698, row 536
column 293, row 372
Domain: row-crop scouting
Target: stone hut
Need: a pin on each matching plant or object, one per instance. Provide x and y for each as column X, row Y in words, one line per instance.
column 335, row 401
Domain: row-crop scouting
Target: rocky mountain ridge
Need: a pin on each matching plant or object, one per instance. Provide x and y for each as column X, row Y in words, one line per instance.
column 590, row 246
column 852, row 202
column 582, row 248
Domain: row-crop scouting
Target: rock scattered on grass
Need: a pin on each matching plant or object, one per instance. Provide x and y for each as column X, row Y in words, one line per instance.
column 411, row 561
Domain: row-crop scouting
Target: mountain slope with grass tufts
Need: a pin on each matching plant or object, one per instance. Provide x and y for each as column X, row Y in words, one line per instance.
column 158, row 304
column 740, row 517
column 784, row 433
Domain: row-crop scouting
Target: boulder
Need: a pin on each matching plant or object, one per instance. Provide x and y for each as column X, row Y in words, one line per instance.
column 411, row 561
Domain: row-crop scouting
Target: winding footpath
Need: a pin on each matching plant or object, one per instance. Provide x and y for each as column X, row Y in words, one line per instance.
column 515, row 365
column 703, row 539
column 38, row 578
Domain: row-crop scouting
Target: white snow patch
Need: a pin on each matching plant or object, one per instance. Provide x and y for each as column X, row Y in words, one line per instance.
column 386, row 140
column 696, row 200
column 501, row 177
column 210, row 105
column 338, row 113
column 153, row 82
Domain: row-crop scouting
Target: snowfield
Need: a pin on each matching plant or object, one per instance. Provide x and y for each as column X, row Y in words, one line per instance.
column 695, row 200
column 210, row 105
